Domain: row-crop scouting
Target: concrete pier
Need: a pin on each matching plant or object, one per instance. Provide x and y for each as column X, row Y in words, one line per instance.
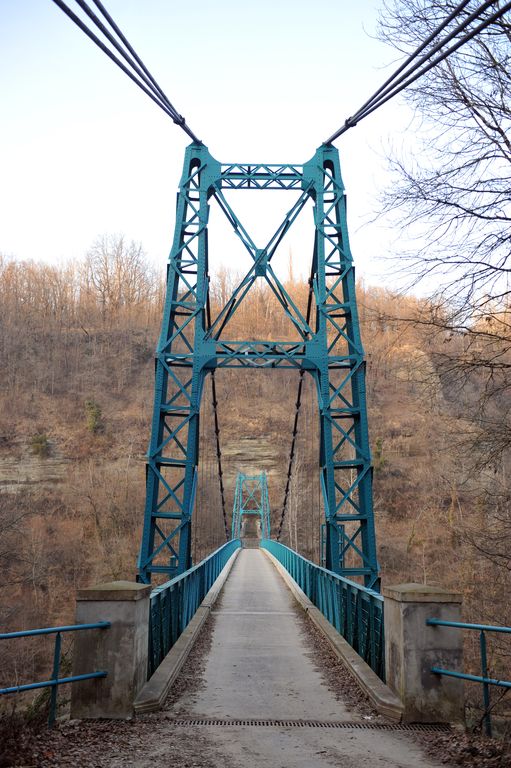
column 412, row 648
column 121, row 649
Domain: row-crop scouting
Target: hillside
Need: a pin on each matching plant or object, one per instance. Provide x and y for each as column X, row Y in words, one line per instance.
column 75, row 411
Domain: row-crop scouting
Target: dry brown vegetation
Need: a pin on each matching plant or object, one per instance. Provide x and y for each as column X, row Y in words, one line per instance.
column 76, row 345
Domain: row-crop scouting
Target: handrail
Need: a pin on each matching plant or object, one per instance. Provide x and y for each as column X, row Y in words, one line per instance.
column 484, row 679
column 55, row 680
column 463, row 625
column 173, row 604
column 355, row 611
column 54, row 630
column 176, row 579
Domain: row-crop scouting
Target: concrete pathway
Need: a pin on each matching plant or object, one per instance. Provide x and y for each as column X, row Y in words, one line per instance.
column 261, row 666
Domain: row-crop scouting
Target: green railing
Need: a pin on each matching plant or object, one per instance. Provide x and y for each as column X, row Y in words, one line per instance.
column 173, row 604
column 355, row 611
column 55, row 680
column 483, row 678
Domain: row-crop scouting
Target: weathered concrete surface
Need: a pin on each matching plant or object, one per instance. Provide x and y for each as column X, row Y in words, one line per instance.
column 260, row 665
column 121, row 649
column 412, row 648
column 383, row 699
column 265, row 747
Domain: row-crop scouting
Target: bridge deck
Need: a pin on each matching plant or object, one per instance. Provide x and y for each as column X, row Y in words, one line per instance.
column 260, row 664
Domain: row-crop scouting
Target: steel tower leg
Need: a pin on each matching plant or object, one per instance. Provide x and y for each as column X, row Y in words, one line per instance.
column 345, row 459
column 179, row 379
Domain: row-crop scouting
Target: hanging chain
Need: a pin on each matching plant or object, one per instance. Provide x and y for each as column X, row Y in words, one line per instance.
column 292, row 453
column 219, row 454
column 297, row 416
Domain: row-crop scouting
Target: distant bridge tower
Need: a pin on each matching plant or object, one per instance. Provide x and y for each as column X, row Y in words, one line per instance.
column 326, row 344
column 251, row 499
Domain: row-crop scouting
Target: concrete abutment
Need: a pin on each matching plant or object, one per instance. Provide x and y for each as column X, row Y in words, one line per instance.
column 412, row 648
column 121, row 650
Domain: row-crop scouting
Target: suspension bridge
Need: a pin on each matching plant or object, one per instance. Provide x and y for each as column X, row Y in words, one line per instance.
column 401, row 644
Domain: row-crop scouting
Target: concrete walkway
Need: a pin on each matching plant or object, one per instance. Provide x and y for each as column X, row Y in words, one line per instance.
column 261, row 666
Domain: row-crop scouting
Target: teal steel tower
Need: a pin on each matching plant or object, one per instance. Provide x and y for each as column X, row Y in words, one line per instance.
column 326, row 345
column 251, row 498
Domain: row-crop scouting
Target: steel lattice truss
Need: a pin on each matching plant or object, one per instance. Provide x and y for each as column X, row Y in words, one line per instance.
column 328, row 347
column 251, row 498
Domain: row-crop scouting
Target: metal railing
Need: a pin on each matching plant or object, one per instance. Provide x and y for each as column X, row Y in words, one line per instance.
column 355, row 611
column 483, row 678
column 55, row 680
column 173, row 604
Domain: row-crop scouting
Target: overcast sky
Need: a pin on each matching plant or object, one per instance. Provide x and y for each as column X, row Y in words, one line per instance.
column 83, row 152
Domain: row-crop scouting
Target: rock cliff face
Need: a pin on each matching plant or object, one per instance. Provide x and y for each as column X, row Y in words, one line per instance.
column 20, row 468
column 250, row 455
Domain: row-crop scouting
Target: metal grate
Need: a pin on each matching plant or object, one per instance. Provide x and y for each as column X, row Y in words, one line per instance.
column 365, row 726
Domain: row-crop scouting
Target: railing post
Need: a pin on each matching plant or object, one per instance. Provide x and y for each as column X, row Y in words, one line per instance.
column 486, row 687
column 55, row 677
column 412, row 648
column 121, row 650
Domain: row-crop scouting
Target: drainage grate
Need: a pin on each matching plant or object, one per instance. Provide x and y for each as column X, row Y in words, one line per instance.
column 363, row 726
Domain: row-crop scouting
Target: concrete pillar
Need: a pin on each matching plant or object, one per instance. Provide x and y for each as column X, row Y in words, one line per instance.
column 121, row 650
column 412, row 648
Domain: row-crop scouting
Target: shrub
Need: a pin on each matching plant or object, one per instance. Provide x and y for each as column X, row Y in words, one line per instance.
column 40, row 445
column 93, row 416
column 379, row 461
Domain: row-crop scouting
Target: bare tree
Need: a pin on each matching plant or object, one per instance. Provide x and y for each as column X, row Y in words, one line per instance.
column 117, row 275
column 451, row 196
column 454, row 192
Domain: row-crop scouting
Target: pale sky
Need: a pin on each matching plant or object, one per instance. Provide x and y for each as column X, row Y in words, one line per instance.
column 83, row 152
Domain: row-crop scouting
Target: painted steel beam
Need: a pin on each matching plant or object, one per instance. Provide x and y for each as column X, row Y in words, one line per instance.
column 328, row 347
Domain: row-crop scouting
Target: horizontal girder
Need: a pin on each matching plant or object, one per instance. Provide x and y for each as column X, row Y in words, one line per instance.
column 260, row 176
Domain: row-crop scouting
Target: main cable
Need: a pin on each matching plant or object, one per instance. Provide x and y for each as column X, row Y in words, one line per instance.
column 140, row 75
column 79, row 23
column 134, row 54
column 394, row 84
column 291, row 454
column 393, row 91
column 414, row 55
column 141, row 70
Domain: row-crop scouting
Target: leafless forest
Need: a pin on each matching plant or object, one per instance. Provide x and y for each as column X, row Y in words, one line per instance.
column 76, row 345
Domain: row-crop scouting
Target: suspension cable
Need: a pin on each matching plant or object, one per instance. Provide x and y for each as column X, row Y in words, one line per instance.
column 133, row 53
column 217, row 430
column 414, row 55
column 475, row 31
column 291, row 453
column 140, row 75
column 297, row 415
column 219, row 454
column 141, row 70
column 394, row 84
